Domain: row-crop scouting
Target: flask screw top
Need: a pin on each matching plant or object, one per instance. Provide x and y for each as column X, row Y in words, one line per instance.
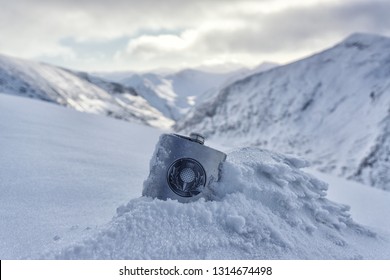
column 196, row 137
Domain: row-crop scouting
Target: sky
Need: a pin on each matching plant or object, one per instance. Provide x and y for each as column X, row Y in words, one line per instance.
column 128, row 35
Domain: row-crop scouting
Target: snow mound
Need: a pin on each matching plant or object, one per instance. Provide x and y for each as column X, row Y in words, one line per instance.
column 264, row 207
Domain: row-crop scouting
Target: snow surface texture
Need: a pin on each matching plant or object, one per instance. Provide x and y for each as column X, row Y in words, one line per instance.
column 63, row 173
column 76, row 90
column 263, row 208
column 333, row 108
column 368, row 205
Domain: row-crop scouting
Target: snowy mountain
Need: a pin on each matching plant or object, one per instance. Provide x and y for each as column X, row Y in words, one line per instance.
column 332, row 108
column 174, row 94
column 71, row 187
column 156, row 98
column 80, row 91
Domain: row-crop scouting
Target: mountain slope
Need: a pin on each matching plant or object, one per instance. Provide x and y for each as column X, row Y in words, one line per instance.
column 174, row 94
column 76, row 90
column 332, row 107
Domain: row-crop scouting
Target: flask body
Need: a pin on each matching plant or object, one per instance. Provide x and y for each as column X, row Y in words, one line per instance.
column 182, row 167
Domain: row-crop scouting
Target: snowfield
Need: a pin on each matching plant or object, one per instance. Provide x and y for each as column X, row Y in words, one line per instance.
column 71, row 187
column 62, row 172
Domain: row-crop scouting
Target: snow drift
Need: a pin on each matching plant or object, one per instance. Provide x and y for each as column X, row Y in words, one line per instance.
column 263, row 208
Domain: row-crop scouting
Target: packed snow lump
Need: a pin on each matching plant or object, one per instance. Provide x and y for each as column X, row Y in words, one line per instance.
column 264, row 207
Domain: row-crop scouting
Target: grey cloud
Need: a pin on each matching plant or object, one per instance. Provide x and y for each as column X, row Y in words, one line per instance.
column 295, row 28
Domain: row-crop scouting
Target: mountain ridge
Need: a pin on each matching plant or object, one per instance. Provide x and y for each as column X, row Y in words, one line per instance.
column 78, row 90
column 175, row 93
column 155, row 99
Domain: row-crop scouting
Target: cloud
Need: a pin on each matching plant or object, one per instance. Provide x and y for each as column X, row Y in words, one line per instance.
column 293, row 28
column 175, row 32
column 255, row 36
column 43, row 24
column 148, row 46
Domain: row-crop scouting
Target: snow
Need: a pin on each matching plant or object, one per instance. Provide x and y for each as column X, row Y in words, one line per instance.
column 62, row 172
column 367, row 205
column 264, row 208
column 71, row 187
column 156, row 98
column 174, row 94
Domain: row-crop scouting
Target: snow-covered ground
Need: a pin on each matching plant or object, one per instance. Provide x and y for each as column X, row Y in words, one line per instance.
column 71, row 187
column 368, row 206
column 62, row 172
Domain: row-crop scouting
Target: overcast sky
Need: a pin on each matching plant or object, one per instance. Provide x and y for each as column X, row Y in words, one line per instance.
column 98, row 35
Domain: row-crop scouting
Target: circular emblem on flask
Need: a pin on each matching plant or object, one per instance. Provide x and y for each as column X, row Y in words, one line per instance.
column 186, row 177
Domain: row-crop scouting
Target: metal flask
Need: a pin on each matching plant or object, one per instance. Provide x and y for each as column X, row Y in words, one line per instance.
column 182, row 167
